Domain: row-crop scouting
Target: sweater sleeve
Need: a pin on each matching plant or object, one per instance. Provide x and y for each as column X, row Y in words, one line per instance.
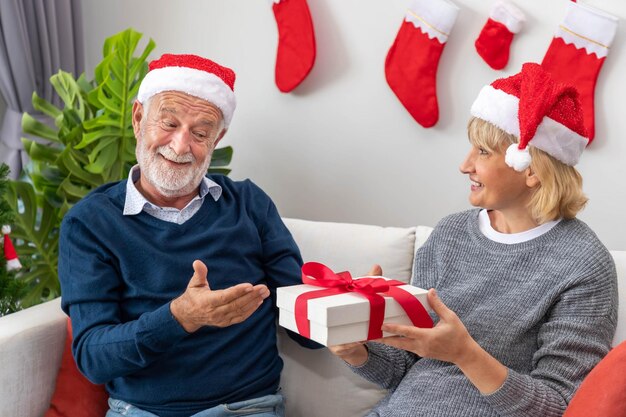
column 282, row 261
column 576, row 336
column 105, row 345
column 386, row 366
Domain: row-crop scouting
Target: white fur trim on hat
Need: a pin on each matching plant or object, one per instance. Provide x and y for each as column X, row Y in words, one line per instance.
column 434, row 17
column 6, row 229
column 194, row 82
column 501, row 109
column 508, row 14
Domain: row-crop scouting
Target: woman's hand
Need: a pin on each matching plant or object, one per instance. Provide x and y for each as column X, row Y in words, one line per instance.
column 449, row 341
column 354, row 353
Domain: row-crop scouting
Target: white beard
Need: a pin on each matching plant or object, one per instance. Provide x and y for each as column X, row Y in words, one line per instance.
column 171, row 182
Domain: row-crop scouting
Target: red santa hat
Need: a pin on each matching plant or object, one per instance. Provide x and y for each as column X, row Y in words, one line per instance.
column 542, row 113
column 194, row 75
column 13, row 263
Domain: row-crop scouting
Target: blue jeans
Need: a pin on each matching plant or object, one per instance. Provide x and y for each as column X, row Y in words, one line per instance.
column 267, row 406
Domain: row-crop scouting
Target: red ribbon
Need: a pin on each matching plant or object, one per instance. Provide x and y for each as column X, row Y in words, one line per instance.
column 319, row 275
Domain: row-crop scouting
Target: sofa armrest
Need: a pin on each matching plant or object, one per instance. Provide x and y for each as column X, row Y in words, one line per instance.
column 31, row 345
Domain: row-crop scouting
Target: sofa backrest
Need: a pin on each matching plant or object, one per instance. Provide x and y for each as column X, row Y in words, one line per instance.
column 356, row 247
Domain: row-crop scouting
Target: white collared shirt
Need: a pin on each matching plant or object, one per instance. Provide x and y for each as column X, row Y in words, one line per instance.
column 484, row 224
column 135, row 202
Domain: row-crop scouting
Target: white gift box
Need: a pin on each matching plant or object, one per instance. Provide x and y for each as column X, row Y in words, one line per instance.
column 341, row 318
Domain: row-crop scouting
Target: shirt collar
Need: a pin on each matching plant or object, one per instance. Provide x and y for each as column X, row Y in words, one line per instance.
column 135, row 201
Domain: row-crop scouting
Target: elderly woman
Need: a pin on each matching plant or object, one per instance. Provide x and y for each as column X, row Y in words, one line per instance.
column 530, row 293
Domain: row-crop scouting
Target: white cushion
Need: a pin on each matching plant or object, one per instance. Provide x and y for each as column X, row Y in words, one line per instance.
column 31, row 345
column 315, row 382
column 356, row 247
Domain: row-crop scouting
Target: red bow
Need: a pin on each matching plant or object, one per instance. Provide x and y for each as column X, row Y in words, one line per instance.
column 319, row 275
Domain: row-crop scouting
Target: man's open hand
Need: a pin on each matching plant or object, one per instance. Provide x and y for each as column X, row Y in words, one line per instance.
column 200, row 306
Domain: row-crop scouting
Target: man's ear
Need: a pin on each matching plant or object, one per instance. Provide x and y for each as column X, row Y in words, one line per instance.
column 220, row 136
column 137, row 116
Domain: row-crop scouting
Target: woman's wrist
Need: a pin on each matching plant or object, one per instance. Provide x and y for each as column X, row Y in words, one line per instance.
column 483, row 370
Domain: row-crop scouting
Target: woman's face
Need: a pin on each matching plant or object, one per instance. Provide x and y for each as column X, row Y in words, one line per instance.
column 495, row 185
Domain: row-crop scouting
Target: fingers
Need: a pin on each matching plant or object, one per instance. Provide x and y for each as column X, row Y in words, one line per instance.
column 229, row 295
column 199, row 278
column 397, row 329
column 347, row 348
column 376, row 270
column 240, row 305
column 397, row 342
column 355, row 353
column 401, row 330
column 438, row 306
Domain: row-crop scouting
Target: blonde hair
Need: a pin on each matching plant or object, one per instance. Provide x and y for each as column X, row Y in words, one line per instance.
column 559, row 194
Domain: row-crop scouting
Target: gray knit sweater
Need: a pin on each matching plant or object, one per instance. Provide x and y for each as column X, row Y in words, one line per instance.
column 545, row 308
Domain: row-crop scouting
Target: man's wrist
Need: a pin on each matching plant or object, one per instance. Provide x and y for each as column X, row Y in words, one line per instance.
column 177, row 309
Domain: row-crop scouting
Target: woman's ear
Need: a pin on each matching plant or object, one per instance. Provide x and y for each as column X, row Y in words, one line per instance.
column 532, row 180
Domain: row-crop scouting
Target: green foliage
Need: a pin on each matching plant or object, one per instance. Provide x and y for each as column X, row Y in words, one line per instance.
column 11, row 289
column 92, row 143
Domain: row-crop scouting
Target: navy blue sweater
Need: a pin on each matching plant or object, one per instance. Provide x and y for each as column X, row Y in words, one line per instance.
column 119, row 274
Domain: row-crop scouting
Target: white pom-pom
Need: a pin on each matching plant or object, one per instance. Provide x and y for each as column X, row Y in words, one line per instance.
column 518, row 159
column 6, row 229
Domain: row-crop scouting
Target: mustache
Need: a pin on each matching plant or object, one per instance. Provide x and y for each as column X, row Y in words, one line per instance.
column 168, row 153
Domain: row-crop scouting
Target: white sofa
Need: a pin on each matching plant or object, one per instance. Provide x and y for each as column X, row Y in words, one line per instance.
column 315, row 383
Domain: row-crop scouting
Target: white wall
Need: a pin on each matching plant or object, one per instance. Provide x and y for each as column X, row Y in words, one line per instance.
column 342, row 147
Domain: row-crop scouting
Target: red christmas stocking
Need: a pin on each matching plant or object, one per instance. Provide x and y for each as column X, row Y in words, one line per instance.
column 296, row 43
column 412, row 61
column 494, row 42
column 577, row 53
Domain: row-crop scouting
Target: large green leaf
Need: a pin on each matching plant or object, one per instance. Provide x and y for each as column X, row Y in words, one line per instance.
column 45, row 107
column 35, row 234
column 222, row 157
column 40, row 152
column 116, row 76
column 36, row 128
column 70, row 92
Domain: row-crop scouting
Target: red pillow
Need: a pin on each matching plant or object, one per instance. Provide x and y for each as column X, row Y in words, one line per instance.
column 603, row 392
column 74, row 395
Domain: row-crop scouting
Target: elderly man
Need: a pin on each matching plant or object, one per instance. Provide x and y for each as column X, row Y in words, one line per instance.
column 164, row 344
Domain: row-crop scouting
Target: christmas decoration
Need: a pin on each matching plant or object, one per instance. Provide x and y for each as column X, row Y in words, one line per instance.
column 578, row 50
column 194, row 75
column 412, row 60
column 295, row 55
column 11, row 289
column 13, row 262
column 494, row 42
column 538, row 110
